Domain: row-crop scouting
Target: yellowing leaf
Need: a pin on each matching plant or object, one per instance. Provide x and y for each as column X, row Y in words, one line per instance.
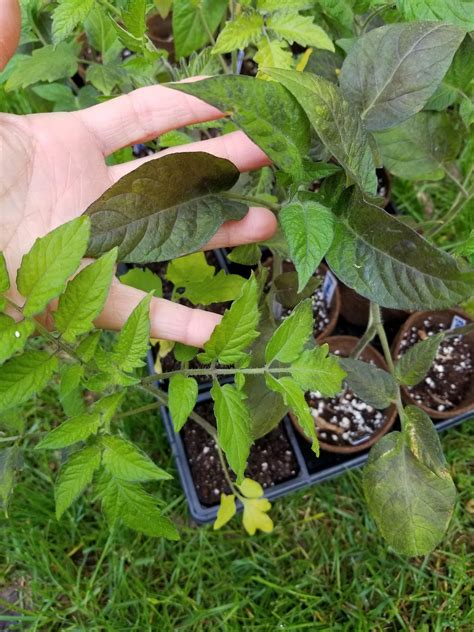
column 251, row 489
column 226, row 510
column 255, row 516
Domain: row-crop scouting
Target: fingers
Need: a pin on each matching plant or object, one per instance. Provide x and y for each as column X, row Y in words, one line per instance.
column 236, row 147
column 169, row 321
column 10, row 25
column 142, row 115
column 258, row 225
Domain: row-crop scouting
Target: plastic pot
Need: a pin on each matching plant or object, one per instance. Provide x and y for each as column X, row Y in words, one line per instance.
column 160, row 31
column 355, row 308
column 445, row 318
column 344, row 345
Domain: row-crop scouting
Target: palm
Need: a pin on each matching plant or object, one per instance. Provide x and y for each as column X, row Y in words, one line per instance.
column 52, row 170
column 53, row 167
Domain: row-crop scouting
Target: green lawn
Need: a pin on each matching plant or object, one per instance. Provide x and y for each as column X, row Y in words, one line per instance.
column 323, row 568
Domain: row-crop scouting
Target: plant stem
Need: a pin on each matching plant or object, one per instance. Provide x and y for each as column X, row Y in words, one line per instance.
column 209, row 372
column 137, row 411
column 162, row 397
column 366, row 339
column 108, row 5
column 378, row 323
column 249, row 199
column 212, row 39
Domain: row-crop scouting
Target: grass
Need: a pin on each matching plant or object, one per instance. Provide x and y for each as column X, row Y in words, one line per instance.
column 324, row 567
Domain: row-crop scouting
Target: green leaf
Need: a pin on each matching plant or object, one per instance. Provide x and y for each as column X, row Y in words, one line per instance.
column 135, row 507
column 188, row 23
column 4, row 278
column 248, row 255
column 219, row 289
column 272, row 54
column 288, row 341
column 423, row 440
column 415, row 363
column 70, row 391
column 420, row 148
column 51, row 261
column 315, row 370
column 101, row 33
column 233, row 425
column 134, row 18
column 107, row 406
column 59, row 94
column 125, row 461
column 75, row 476
column 286, row 289
column 182, row 394
column 269, row 6
column 85, row 297
column 184, row 353
column 336, row 122
column 264, row 110
column 9, row 459
column 399, row 270
column 105, row 77
column 391, row 72
column 374, row 386
column 190, row 269
column 164, row 7
column 143, row 280
column 301, row 29
column 226, row 510
column 13, row 336
column 132, row 342
column 295, row 400
column 174, row 139
column 67, row 16
column 236, row 331
column 308, row 228
column 87, row 347
column 455, row 11
column 71, row 431
column 48, row 63
column 245, row 29
column 164, row 209
column 24, row 376
column 411, row 504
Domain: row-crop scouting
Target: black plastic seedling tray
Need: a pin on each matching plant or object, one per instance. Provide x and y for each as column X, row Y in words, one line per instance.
column 311, row 469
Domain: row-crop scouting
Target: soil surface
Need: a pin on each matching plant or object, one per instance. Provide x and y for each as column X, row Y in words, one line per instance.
column 448, row 380
column 345, row 419
column 271, row 460
column 321, row 310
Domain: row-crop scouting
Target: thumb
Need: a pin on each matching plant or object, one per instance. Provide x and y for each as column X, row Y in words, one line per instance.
column 169, row 321
column 10, row 26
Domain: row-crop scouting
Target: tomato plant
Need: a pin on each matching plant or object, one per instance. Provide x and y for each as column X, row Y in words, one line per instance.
column 336, row 95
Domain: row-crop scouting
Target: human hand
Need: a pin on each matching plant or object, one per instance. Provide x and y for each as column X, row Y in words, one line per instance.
column 53, row 167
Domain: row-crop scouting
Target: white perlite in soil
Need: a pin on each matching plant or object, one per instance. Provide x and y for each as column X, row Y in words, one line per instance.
column 448, row 379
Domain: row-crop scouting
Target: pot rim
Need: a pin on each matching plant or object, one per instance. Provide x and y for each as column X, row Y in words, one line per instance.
column 407, row 398
column 390, row 412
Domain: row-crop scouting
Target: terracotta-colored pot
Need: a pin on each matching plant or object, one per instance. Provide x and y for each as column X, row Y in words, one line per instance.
column 445, row 317
column 161, row 34
column 345, row 345
column 355, row 308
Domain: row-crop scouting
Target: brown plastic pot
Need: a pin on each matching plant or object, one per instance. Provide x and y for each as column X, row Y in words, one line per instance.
column 445, row 317
column 355, row 308
column 345, row 345
column 160, row 31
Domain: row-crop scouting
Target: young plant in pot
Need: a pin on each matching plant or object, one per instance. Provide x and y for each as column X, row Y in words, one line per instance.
column 146, row 217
